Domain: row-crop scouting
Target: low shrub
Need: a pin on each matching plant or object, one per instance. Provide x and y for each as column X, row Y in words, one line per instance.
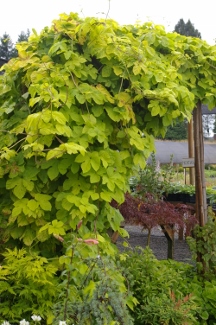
column 97, row 297
column 28, row 284
column 161, row 288
column 149, row 213
column 167, row 291
column 82, row 286
column 204, row 293
column 153, row 179
column 203, row 247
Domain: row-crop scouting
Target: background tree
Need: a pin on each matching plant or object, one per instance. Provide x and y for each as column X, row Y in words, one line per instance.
column 178, row 131
column 23, row 36
column 186, row 29
column 6, row 47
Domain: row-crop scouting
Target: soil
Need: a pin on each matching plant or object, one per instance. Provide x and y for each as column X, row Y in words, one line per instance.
column 158, row 243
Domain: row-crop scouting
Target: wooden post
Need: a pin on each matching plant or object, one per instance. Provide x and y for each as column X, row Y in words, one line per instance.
column 169, row 234
column 201, row 206
column 191, row 151
column 185, row 176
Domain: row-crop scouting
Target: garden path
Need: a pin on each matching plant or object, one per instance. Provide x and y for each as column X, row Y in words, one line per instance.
column 158, row 243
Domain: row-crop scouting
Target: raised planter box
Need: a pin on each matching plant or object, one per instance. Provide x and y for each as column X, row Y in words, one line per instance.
column 185, row 198
column 173, row 197
column 192, row 198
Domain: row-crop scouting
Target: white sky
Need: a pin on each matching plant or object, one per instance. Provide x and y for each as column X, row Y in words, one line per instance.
column 18, row 15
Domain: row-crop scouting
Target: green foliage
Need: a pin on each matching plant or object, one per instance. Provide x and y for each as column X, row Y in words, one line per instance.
column 7, row 48
column 205, row 297
column 181, row 188
column 22, row 37
column 92, row 289
column 168, row 292
column 81, row 286
column 96, row 297
column 161, row 288
column 177, row 131
column 153, row 179
column 190, row 189
column 203, row 247
column 79, row 107
column 71, row 140
column 27, row 285
column 210, row 167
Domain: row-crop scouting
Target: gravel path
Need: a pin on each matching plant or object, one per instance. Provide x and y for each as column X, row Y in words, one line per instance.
column 158, row 243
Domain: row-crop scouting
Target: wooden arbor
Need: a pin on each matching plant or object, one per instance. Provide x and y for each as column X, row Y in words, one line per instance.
column 200, row 186
column 196, row 150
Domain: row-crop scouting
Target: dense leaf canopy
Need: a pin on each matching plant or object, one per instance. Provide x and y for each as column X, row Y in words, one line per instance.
column 79, row 107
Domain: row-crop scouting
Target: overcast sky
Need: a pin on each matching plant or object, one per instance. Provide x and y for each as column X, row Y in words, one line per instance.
column 18, row 15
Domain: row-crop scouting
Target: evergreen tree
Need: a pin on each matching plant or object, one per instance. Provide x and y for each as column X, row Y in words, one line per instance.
column 6, row 47
column 186, row 29
column 177, row 131
column 23, row 37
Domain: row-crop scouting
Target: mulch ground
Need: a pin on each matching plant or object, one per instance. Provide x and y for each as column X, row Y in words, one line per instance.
column 158, row 243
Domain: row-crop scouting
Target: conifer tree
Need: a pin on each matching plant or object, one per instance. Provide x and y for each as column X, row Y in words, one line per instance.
column 22, row 37
column 186, row 29
column 6, row 47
